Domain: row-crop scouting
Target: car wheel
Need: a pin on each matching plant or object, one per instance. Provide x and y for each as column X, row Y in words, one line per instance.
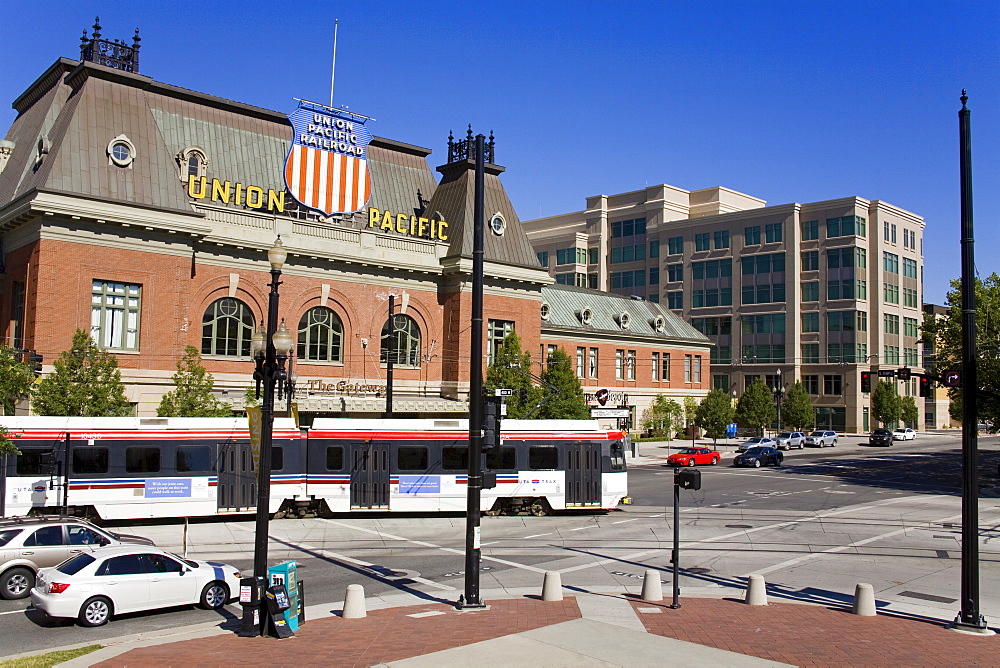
column 214, row 595
column 777, row 461
column 756, row 463
column 16, row 583
column 715, row 460
column 95, row 611
column 690, row 462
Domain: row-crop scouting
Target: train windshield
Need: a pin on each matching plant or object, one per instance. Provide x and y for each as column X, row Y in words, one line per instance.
column 617, row 456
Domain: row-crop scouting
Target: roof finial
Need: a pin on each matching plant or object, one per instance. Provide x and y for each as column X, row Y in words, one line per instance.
column 965, row 98
column 97, row 27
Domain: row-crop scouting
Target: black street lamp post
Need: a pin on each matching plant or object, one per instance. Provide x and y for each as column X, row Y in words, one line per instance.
column 779, row 395
column 270, row 348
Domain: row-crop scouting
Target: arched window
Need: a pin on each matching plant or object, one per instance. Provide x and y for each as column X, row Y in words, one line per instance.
column 321, row 336
column 226, row 328
column 192, row 162
column 403, row 340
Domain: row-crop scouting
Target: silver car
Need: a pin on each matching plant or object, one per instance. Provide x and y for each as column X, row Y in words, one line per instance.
column 821, row 438
column 790, row 439
column 28, row 544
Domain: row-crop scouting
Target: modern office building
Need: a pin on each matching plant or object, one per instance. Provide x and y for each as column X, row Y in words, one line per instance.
column 142, row 212
column 936, row 407
column 812, row 292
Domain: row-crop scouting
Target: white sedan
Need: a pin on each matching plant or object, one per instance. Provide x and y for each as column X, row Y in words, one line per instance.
column 93, row 586
column 904, row 434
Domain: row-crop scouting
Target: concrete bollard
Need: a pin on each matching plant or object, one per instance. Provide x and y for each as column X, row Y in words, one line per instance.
column 552, row 586
column 864, row 600
column 651, row 589
column 756, row 591
column 354, row 602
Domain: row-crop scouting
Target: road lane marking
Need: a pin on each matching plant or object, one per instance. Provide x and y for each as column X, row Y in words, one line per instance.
column 450, row 550
column 618, row 522
column 841, row 548
column 16, row 612
column 539, row 535
column 743, row 532
column 582, row 528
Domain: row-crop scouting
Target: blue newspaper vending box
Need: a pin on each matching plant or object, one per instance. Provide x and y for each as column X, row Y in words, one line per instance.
column 285, row 575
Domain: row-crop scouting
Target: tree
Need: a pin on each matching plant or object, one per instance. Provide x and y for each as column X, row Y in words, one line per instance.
column 192, row 393
column 886, row 405
column 85, row 382
column 511, row 369
column 16, row 379
column 797, row 409
column 690, row 411
column 942, row 335
column 755, row 408
column 714, row 414
column 567, row 401
column 910, row 412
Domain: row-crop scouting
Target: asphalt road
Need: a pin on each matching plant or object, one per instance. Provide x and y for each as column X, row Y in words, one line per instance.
column 813, row 527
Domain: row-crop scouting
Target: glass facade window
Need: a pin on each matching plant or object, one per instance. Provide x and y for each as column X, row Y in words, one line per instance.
column 656, row 367
column 675, row 272
column 712, row 268
column 675, row 245
column 593, row 254
column 711, row 297
column 654, row 275
column 772, row 233
column 833, row 384
column 840, row 257
column 862, row 321
column 890, row 293
column 910, row 297
column 811, row 383
column 890, row 263
column 810, row 230
column 910, row 327
column 810, row 353
column 810, row 322
column 890, row 354
column 630, row 365
column 763, row 294
column 400, row 337
column 721, row 355
column 543, row 258
column 890, row 323
column 701, row 241
column 843, row 289
column 666, row 367
column 762, row 264
column 810, row 261
column 751, row 236
column 688, row 363
column 114, row 315
column 320, row 336
column 619, row 364
column 226, row 328
column 846, row 227
column 697, row 368
column 625, row 279
column 592, row 363
column 628, row 228
column 497, row 331
column 810, row 291
column 909, row 268
column 581, row 362
column 675, row 300
column 721, row 239
column 715, row 326
column 840, row 321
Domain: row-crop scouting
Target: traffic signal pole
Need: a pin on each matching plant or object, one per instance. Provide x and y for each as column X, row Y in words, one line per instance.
column 470, row 599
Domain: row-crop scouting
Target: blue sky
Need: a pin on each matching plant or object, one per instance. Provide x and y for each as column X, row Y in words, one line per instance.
column 786, row 101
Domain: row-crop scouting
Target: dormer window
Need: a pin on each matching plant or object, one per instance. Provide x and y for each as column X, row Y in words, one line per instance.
column 545, row 310
column 192, row 162
column 121, row 152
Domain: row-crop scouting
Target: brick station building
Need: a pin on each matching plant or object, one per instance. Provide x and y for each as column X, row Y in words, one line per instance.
column 142, row 212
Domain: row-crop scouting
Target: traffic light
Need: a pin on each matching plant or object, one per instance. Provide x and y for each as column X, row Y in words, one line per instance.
column 491, row 422
column 903, row 374
column 35, row 361
column 925, row 386
column 47, row 461
column 866, row 381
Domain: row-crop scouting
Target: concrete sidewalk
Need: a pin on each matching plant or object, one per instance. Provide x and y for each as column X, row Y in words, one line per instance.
column 587, row 629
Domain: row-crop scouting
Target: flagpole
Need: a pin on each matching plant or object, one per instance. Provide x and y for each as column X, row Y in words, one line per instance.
column 333, row 67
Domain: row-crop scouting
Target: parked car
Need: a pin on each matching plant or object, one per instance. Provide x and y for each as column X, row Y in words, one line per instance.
column 93, row 586
column 754, row 442
column 904, row 434
column 880, row 437
column 821, row 438
column 28, row 544
column 692, row 456
column 787, row 440
column 759, row 456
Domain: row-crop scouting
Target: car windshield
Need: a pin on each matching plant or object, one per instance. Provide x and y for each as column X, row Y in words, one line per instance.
column 785, row 434
column 881, row 432
column 754, row 440
column 74, row 565
column 816, row 433
column 688, row 451
column 755, row 451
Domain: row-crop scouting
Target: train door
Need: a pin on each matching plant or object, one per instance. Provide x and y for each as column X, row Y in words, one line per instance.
column 237, row 477
column 370, row 475
column 583, row 474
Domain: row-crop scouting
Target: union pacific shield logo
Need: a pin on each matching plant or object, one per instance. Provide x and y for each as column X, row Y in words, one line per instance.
column 327, row 166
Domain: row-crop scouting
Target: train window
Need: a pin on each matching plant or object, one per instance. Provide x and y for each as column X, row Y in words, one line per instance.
column 194, row 458
column 90, row 460
column 617, row 456
column 335, row 458
column 142, row 459
column 29, row 462
column 543, row 458
column 455, row 459
column 413, row 458
column 501, row 459
column 277, row 458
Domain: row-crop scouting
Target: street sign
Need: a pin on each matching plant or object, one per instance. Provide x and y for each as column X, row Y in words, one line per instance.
column 596, row 412
column 886, row 373
column 953, row 378
column 903, row 374
column 601, row 396
column 503, row 392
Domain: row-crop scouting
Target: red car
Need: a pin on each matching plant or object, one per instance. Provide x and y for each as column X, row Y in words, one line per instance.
column 692, row 456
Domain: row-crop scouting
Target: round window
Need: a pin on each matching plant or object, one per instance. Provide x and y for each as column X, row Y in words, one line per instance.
column 497, row 224
column 121, row 151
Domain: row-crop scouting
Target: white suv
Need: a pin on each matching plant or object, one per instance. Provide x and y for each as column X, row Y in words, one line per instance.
column 822, row 438
column 790, row 439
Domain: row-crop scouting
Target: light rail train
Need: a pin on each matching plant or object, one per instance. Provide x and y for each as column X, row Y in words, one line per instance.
column 133, row 468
